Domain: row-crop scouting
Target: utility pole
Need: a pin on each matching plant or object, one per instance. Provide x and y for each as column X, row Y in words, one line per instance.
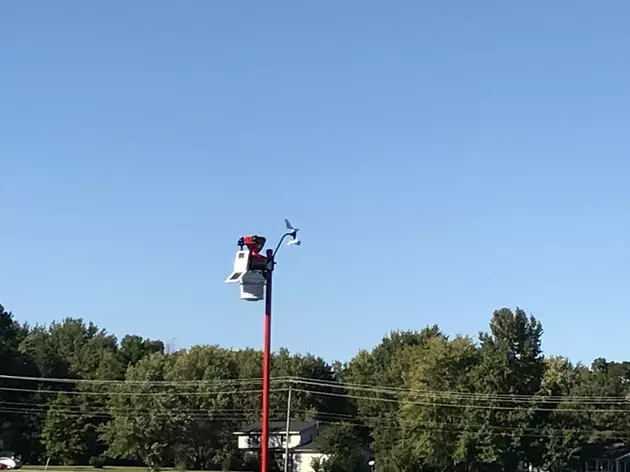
column 264, row 451
column 286, row 446
column 254, row 273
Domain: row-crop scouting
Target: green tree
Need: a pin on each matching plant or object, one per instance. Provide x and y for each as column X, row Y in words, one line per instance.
column 133, row 348
column 209, row 409
column 387, row 365
column 608, row 379
column 72, row 349
column 344, row 450
column 146, row 417
column 564, row 430
column 19, row 430
column 432, row 416
column 309, row 401
column 70, row 434
column 422, row 401
column 510, row 366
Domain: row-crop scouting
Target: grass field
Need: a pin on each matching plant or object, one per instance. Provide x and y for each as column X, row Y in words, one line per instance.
column 84, row 468
column 88, row 468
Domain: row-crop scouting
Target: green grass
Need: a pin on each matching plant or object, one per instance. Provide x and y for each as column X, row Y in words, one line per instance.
column 84, row 468
column 88, row 468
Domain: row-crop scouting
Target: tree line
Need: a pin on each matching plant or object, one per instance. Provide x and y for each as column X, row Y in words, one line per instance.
column 420, row 400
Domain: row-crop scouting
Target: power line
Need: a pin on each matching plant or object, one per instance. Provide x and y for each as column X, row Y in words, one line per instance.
column 138, row 382
column 374, row 388
column 403, row 401
column 466, row 395
column 309, row 382
column 134, row 394
column 464, row 405
column 335, row 418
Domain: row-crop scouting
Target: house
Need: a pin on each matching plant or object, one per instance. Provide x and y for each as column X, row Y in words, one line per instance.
column 606, row 457
column 301, row 440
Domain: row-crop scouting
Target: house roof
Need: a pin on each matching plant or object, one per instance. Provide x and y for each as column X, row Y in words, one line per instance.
column 295, row 427
column 316, row 446
column 311, row 446
column 608, row 450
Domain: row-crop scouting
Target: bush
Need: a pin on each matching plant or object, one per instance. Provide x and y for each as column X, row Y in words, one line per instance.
column 98, row 462
column 251, row 464
column 181, row 465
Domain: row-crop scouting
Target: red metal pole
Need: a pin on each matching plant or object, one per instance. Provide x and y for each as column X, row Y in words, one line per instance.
column 264, row 443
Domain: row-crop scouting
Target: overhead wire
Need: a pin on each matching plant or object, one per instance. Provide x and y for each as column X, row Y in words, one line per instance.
column 133, row 394
column 236, row 414
column 137, row 382
column 533, row 406
column 371, row 388
column 464, row 405
column 458, row 394
column 332, row 418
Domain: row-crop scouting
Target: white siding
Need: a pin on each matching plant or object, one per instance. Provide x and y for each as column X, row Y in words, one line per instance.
column 243, row 442
column 295, row 440
column 275, row 441
column 304, row 460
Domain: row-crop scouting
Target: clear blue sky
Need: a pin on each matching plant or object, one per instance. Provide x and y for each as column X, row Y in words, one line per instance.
column 443, row 159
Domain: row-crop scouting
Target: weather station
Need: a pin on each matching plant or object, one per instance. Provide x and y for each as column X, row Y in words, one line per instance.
column 253, row 271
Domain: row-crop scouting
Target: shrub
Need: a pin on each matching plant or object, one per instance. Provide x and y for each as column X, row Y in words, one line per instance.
column 98, row 462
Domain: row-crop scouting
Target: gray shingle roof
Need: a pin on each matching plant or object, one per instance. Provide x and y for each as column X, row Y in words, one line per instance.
column 278, row 427
column 606, row 450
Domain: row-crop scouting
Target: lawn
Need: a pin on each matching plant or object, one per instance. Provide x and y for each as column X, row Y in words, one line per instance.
column 87, row 468
column 83, row 468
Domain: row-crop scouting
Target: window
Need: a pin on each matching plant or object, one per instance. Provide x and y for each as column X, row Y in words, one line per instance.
column 591, row 466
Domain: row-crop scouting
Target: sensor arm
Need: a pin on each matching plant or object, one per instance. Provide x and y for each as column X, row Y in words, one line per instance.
column 290, row 233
